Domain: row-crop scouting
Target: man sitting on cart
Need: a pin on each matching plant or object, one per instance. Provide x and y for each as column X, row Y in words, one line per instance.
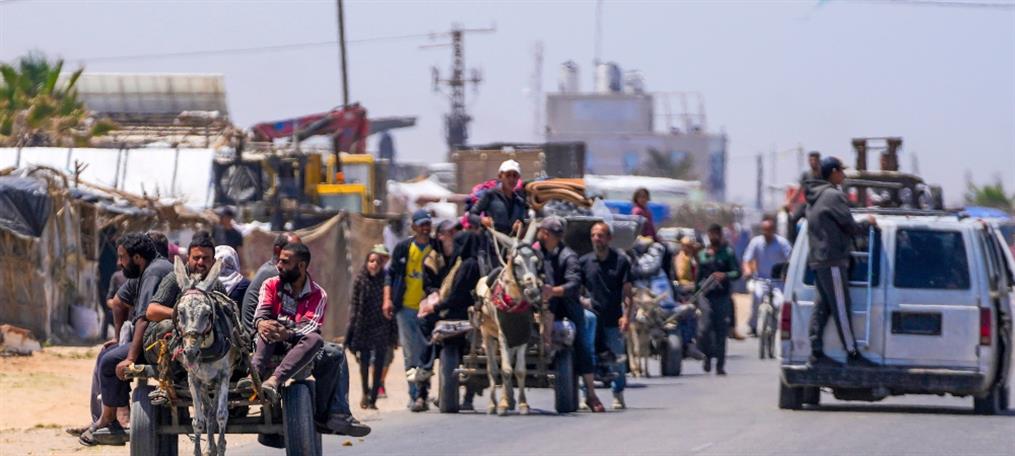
column 504, row 208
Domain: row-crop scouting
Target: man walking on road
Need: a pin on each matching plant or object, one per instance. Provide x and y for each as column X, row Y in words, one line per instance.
column 606, row 274
column 830, row 231
column 403, row 291
column 765, row 251
column 717, row 269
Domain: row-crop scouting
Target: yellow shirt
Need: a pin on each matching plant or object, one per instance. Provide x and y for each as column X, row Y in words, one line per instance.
column 414, row 276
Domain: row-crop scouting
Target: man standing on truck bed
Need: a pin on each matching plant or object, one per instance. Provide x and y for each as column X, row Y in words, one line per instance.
column 830, row 231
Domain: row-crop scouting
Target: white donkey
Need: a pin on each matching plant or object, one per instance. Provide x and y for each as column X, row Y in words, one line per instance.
column 505, row 318
column 206, row 321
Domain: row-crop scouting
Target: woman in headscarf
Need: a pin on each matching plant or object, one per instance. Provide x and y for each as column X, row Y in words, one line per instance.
column 234, row 282
column 370, row 336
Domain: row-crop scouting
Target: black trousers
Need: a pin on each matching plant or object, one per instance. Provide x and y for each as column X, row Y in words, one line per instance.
column 832, row 299
column 714, row 326
column 115, row 392
column 368, row 359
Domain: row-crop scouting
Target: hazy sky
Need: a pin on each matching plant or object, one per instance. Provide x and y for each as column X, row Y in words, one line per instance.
column 773, row 74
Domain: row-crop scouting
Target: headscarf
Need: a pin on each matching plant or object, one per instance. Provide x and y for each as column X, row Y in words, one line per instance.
column 229, row 275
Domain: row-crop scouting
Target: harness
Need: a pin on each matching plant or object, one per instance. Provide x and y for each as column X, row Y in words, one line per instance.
column 224, row 328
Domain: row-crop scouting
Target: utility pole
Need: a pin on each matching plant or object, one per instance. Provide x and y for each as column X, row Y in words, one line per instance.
column 760, row 182
column 537, row 91
column 456, row 121
column 341, row 53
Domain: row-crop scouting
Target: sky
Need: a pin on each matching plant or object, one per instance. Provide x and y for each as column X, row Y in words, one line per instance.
column 775, row 76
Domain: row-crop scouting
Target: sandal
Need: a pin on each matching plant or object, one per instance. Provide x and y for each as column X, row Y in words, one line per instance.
column 110, row 434
column 595, row 405
column 158, row 396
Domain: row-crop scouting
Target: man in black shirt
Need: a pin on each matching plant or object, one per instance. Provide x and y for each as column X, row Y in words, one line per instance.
column 137, row 256
column 505, row 208
column 225, row 233
column 562, row 283
column 606, row 274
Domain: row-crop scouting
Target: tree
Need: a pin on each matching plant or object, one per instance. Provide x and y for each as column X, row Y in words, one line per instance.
column 660, row 164
column 990, row 195
column 38, row 109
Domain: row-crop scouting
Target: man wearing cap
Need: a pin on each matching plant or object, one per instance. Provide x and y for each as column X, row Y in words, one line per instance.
column 830, row 231
column 562, row 283
column 505, row 208
column 404, row 288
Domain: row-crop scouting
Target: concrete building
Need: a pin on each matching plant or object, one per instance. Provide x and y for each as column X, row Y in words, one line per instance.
column 628, row 131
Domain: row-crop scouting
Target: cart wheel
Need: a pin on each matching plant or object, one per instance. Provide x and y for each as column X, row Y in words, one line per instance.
column 565, row 384
column 301, row 436
column 672, row 356
column 145, row 419
column 450, row 359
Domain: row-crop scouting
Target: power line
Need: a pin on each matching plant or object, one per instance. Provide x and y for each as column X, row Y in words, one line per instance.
column 252, row 49
column 943, row 3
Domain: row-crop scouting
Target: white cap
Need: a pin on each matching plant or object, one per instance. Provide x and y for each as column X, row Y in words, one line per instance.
column 510, row 165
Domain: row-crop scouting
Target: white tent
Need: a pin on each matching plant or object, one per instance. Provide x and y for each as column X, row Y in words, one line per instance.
column 174, row 174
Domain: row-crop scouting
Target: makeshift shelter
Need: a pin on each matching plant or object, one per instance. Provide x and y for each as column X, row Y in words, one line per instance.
column 51, row 228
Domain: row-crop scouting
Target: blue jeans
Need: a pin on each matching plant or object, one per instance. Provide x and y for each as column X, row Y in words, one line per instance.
column 332, row 381
column 615, row 341
column 415, row 348
column 687, row 328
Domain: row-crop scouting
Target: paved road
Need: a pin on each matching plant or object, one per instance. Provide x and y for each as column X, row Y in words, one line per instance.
column 697, row 414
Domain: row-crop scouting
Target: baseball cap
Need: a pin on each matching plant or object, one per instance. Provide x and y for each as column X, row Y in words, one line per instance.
column 420, row 217
column 553, row 224
column 380, row 249
column 510, row 165
column 829, row 164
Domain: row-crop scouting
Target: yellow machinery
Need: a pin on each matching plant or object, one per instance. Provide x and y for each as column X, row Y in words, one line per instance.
column 350, row 189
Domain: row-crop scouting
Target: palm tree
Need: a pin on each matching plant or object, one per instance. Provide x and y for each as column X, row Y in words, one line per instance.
column 660, row 164
column 990, row 195
column 38, row 109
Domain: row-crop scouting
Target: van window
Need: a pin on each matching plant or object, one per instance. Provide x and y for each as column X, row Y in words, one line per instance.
column 931, row 259
column 858, row 262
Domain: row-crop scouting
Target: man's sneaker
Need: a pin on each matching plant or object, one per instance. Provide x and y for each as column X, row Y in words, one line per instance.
column 342, row 424
column 858, row 360
column 271, row 440
column 693, row 352
column 706, row 365
column 618, row 401
column 418, row 375
column 420, row 405
column 821, row 360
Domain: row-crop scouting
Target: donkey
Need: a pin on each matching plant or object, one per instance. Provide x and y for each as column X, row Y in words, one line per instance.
column 505, row 318
column 206, row 322
column 639, row 335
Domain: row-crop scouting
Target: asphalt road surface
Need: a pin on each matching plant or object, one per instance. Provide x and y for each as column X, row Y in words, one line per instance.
column 695, row 413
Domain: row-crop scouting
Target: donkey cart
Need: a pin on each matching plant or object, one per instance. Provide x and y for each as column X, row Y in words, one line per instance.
column 289, row 424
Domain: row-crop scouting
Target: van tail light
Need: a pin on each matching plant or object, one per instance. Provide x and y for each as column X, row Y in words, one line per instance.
column 985, row 326
column 786, row 320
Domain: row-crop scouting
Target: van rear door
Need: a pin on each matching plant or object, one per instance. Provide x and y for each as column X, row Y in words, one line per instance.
column 932, row 313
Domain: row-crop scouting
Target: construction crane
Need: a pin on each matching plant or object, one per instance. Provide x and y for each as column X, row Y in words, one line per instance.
column 456, row 121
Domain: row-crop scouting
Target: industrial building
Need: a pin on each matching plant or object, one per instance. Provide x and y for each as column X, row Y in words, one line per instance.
column 630, row 131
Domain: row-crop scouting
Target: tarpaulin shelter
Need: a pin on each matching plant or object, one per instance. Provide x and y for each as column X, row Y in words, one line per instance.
column 51, row 226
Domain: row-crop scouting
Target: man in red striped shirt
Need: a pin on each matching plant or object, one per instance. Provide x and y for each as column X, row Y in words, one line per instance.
column 288, row 319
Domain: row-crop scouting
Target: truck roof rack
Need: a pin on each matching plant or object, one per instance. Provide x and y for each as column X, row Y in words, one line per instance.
column 905, row 211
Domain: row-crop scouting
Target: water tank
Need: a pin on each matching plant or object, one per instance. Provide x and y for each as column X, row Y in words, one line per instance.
column 608, row 78
column 634, row 82
column 569, row 82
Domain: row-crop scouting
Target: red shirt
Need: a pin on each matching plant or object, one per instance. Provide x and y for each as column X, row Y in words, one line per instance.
column 648, row 228
column 305, row 309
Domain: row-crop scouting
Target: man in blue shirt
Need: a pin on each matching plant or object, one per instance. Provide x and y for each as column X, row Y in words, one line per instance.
column 765, row 251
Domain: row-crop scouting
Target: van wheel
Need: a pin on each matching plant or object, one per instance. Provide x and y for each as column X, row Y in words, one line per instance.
column 811, row 395
column 790, row 397
column 989, row 404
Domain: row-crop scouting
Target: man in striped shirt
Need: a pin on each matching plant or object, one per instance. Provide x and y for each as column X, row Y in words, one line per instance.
column 288, row 319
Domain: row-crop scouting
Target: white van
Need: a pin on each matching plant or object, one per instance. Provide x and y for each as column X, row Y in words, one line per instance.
column 937, row 316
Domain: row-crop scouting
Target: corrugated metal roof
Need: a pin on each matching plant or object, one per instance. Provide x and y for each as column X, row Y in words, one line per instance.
column 153, row 93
